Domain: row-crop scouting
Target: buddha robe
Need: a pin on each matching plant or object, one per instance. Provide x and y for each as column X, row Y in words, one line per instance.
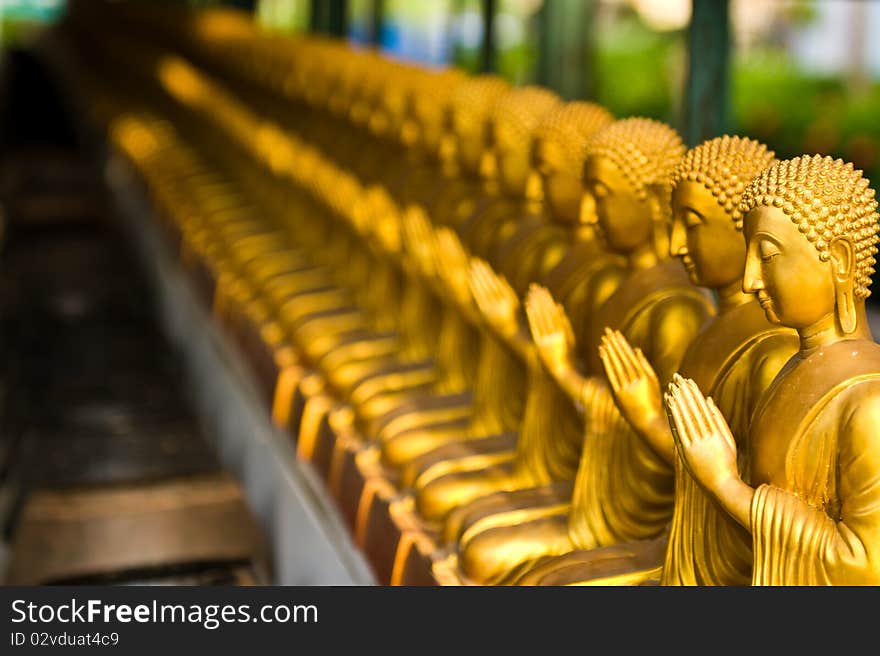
column 480, row 231
column 527, row 249
column 815, row 515
column 733, row 360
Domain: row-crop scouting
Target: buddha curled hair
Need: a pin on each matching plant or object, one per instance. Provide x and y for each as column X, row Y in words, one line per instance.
column 826, row 198
column 435, row 90
column 571, row 125
column 645, row 151
column 724, row 165
column 473, row 100
column 524, row 108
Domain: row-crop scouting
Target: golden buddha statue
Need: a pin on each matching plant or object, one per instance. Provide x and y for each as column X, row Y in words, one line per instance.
column 469, row 103
column 736, row 355
column 623, row 488
column 419, row 310
column 565, row 134
column 304, row 299
column 812, row 501
column 561, row 142
column 508, row 164
column 585, row 278
column 559, row 246
column 424, row 134
column 462, row 149
column 318, row 336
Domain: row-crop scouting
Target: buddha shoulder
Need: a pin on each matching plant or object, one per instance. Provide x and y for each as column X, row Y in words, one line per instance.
column 769, row 354
column 604, row 282
column 679, row 316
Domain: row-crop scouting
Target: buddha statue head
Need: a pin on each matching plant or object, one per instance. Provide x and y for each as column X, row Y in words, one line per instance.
column 470, row 109
column 389, row 112
column 334, row 76
column 707, row 222
column 515, row 117
column 292, row 80
column 811, row 233
column 429, row 105
column 558, row 153
column 369, row 76
column 627, row 170
column 318, row 73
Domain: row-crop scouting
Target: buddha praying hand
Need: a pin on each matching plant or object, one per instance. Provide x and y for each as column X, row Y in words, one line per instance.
column 813, row 506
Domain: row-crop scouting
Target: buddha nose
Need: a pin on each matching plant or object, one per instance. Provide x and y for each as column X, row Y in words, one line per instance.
column 677, row 240
column 447, row 148
column 587, row 214
column 534, row 187
column 488, row 165
column 379, row 124
column 752, row 282
column 409, row 133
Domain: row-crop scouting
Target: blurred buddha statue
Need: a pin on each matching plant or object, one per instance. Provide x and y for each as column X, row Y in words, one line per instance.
column 735, row 357
column 559, row 246
column 810, row 498
column 424, row 134
column 624, row 485
column 561, row 142
column 462, row 149
column 585, row 277
column 508, row 167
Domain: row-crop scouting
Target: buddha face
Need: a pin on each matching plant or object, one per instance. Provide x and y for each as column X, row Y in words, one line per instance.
column 391, row 114
column 470, row 141
column 623, row 219
column 563, row 190
column 783, row 269
column 429, row 119
column 513, row 159
column 705, row 237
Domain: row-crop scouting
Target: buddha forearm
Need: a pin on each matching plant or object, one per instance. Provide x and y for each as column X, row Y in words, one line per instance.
column 658, row 435
column 573, row 383
column 521, row 343
column 735, row 497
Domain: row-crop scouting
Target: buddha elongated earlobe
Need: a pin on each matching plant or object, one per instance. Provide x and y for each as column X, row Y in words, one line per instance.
column 841, row 255
column 658, row 199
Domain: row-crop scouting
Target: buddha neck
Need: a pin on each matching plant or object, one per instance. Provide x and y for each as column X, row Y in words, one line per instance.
column 583, row 234
column 731, row 296
column 450, row 168
column 642, row 257
column 491, row 186
column 827, row 331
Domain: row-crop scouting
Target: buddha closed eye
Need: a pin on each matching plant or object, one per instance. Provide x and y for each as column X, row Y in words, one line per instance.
column 692, row 218
column 768, row 250
column 598, row 189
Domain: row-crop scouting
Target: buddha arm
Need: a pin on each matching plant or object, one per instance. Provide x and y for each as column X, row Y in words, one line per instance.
column 658, row 435
column 519, row 341
column 581, row 389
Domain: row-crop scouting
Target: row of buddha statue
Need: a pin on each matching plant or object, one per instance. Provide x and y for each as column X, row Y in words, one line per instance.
column 524, row 342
